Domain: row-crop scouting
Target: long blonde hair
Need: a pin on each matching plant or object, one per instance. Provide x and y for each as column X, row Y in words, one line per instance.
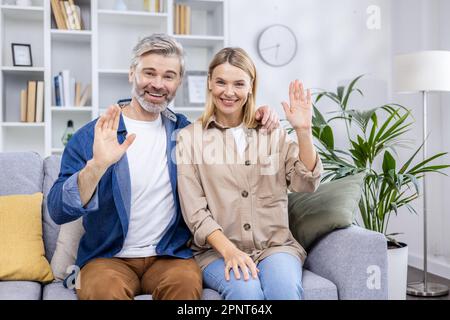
column 237, row 57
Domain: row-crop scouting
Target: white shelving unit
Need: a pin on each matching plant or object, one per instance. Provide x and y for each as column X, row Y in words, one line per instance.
column 98, row 55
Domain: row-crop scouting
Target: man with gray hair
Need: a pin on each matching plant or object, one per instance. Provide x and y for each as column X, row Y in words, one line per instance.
column 118, row 174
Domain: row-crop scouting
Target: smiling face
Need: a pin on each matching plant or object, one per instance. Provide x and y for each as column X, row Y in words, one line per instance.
column 229, row 88
column 155, row 80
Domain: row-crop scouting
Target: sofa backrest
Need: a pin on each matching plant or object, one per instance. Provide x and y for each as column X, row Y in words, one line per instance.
column 28, row 173
column 21, row 173
column 52, row 166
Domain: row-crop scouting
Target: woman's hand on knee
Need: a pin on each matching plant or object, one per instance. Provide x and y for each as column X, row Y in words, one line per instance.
column 236, row 260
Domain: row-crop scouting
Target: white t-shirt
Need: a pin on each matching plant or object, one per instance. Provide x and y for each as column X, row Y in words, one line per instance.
column 152, row 203
column 239, row 138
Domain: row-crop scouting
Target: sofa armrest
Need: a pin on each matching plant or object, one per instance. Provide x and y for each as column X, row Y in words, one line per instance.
column 355, row 260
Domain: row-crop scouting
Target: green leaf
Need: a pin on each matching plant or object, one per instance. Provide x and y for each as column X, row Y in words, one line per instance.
column 349, row 91
column 423, row 163
column 340, row 93
column 318, row 116
column 388, row 163
column 327, row 138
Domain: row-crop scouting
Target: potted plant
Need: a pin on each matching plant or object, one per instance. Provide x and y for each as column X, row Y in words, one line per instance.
column 374, row 136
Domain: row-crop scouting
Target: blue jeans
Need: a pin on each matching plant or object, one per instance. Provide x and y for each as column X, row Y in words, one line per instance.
column 280, row 278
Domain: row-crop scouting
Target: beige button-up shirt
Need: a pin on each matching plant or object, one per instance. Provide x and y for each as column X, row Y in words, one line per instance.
column 243, row 196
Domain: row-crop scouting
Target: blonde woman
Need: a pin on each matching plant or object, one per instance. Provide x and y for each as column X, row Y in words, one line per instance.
column 233, row 180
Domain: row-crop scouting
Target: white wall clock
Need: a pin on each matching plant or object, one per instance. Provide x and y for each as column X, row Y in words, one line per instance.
column 277, row 45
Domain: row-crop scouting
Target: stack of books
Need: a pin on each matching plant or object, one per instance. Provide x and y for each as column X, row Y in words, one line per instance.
column 154, row 6
column 67, row 15
column 32, row 102
column 68, row 92
column 182, row 19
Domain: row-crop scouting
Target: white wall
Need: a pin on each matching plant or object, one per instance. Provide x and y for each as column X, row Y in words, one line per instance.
column 335, row 46
column 424, row 25
column 334, row 43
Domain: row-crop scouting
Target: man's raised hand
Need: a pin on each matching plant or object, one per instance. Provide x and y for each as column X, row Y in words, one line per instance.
column 107, row 149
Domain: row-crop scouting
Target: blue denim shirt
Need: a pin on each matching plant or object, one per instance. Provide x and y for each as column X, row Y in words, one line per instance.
column 106, row 216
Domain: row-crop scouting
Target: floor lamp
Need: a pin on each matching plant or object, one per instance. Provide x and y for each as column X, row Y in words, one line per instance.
column 425, row 71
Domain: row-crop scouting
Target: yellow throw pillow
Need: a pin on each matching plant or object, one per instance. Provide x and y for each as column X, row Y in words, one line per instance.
column 21, row 245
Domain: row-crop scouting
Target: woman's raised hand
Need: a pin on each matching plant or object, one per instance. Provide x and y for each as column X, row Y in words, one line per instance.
column 299, row 111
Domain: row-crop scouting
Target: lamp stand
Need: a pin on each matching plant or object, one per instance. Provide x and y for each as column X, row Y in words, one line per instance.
column 425, row 288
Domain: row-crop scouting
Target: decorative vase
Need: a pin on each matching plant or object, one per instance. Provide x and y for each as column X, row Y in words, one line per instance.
column 23, row 3
column 397, row 271
column 68, row 133
column 120, row 5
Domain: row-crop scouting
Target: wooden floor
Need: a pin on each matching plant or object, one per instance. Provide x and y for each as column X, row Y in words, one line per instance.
column 417, row 275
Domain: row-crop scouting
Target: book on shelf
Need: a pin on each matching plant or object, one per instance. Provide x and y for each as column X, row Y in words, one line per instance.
column 156, row 6
column 77, row 93
column 66, row 88
column 76, row 14
column 31, row 101
column 182, row 19
column 86, row 95
column 40, row 101
column 57, row 14
column 63, row 11
column 23, row 105
column 187, row 20
column 67, row 15
column 68, row 92
column 57, row 88
column 177, row 20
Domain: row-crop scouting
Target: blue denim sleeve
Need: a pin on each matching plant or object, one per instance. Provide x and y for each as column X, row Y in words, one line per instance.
column 71, row 196
column 63, row 200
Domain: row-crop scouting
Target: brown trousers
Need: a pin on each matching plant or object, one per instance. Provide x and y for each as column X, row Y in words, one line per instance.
column 124, row 278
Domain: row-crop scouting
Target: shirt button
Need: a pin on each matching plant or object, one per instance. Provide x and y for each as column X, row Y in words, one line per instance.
column 247, row 227
column 244, row 194
column 247, row 162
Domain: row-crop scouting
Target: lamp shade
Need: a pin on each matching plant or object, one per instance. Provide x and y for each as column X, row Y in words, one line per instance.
column 422, row 71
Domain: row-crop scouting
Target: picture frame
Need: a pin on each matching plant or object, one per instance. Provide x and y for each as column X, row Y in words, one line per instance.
column 194, row 88
column 21, row 55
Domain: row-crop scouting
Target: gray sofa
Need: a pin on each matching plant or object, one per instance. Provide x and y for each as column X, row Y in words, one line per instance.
column 337, row 267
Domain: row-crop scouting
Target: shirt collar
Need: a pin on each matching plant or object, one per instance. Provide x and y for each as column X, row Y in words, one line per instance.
column 212, row 121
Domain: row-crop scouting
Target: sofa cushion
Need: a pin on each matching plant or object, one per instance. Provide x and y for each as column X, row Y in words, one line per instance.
column 315, row 288
column 51, row 229
column 20, row 290
column 318, row 288
column 21, row 245
column 22, row 173
column 57, row 291
column 331, row 206
column 66, row 248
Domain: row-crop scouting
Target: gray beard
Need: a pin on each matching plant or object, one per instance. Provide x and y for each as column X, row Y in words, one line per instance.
column 148, row 106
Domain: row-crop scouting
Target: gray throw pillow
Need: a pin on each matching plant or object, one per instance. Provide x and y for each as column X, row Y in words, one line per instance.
column 331, row 206
column 66, row 248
